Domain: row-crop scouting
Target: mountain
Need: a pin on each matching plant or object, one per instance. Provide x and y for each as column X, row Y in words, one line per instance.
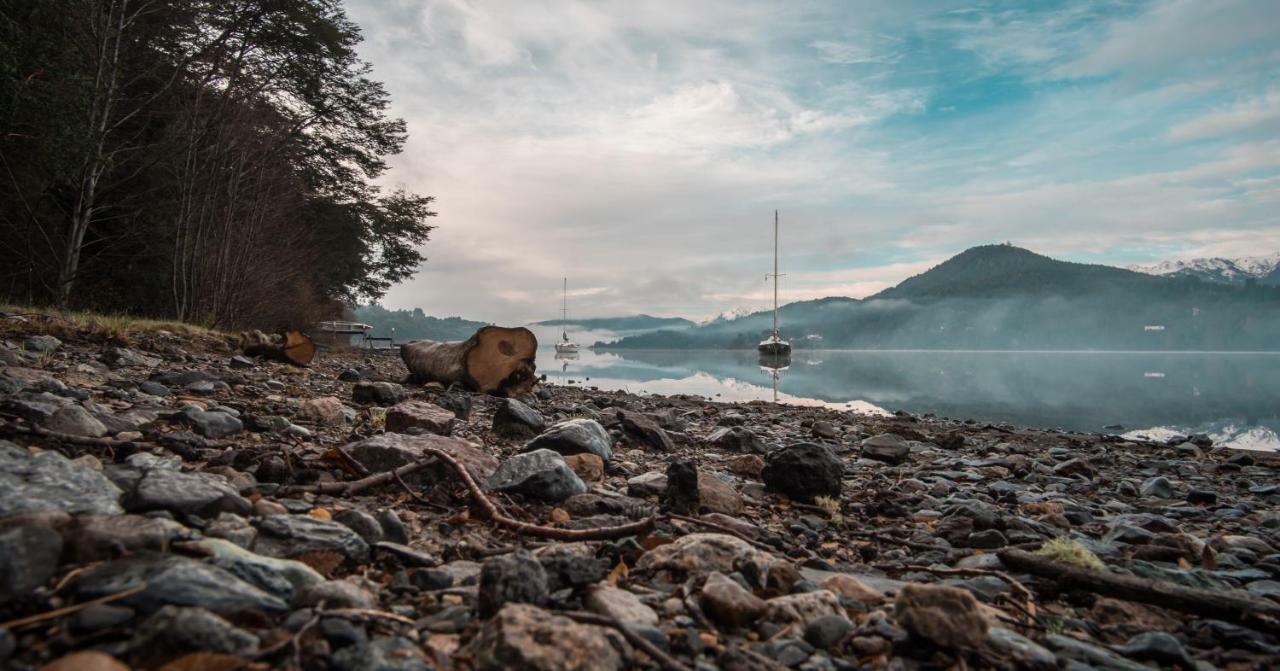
column 1262, row 269
column 631, row 323
column 414, row 324
column 1004, row 297
column 729, row 315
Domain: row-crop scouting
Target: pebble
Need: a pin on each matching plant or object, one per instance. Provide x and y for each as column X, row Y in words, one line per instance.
column 377, row 393
column 513, row 578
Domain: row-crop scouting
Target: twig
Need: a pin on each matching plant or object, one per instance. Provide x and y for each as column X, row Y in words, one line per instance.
column 1018, row 588
column 367, row 613
column 666, row 661
column 68, row 610
column 597, row 533
column 416, row 496
column 719, row 527
column 897, row 541
column 356, row 486
column 291, row 642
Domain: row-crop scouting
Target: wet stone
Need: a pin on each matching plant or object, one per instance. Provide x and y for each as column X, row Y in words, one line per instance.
column 288, row 536
column 175, row 580
column 360, row 522
column 406, row 416
column 172, row 631
column 76, row 421
column 887, row 447
column 517, row 420
column 29, row 556
column 737, row 439
column 645, row 430
column 803, row 472
column 377, row 393
column 521, row 636
column 48, row 481
column 575, row 436
column 513, row 578
column 542, row 474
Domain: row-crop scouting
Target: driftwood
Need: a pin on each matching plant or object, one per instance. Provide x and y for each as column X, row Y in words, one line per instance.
column 1231, row 605
column 289, row 346
column 495, row 360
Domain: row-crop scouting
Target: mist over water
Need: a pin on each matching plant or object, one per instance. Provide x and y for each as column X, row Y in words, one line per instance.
column 1231, row 396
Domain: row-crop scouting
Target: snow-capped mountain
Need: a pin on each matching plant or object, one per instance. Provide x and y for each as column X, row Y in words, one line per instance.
column 729, row 315
column 1264, row 269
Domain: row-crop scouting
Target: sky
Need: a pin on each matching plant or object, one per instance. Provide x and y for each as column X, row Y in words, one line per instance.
column 641, row 148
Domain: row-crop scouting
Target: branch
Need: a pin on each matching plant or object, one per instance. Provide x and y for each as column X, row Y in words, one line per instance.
column 666, row 661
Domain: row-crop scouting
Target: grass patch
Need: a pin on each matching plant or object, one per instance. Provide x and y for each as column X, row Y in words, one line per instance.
column 832, row 508
column 65, row 324
column 1069, row 551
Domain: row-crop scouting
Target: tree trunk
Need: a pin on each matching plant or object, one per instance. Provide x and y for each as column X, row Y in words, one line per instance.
column 293, row 347
column 496, row 360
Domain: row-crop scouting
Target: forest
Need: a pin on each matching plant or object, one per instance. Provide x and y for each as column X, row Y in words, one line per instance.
column 210, row 161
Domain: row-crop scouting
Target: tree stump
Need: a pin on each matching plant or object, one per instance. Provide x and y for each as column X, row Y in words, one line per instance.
column 495, row 360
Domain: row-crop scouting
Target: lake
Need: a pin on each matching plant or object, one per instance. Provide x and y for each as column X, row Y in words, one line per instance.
column 1233, row 397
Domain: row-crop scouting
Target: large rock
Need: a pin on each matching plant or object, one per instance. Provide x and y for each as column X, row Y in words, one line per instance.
column 517, row 420
column 195, row 493
column 279, row 577
column 28, row 558
column 76, row 421
column 48, row 481
column 428, row 417
column 289, row 536
column 377, row 393
column 646, row 430
column 576, row 436
column 729, row 603
column 803, row 472
column 93, row 538
column 521, row 636
column 174, row 580
column 946, row 616
column 717, row 496
column 620, row 605
column 541, row 474
column 389, row 451
column 887, row 447
column 513, row 578
column 701, row 554
column 173, row 631
column 802, row 608
column 737, row 439
column 211, row 424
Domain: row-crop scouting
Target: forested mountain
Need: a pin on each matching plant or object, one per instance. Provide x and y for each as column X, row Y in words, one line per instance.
column 203, row 160
column 414, row 324
column 631, row 323
column 1003, row 297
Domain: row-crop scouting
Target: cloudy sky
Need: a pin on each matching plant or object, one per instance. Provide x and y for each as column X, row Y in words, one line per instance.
column 640, row 148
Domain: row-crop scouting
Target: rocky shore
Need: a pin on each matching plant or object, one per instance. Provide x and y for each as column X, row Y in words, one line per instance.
column 167, row 503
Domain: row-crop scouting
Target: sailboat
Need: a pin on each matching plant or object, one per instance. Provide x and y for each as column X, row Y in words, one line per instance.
column 565, row 346
column 774, row 345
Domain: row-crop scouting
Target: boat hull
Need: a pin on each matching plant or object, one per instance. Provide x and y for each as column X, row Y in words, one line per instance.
column 566, row 348
column 774, row 348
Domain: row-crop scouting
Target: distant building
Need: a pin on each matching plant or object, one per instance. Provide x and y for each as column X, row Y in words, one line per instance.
column 1153, row 327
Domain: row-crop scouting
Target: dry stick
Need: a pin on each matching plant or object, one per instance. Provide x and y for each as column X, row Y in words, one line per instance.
column 897, row 541
column 416, row 496
column 666, row 661
column 68, row 610
column 1231, row 605
column 719, row 527
column 597, row 533
column 356, row 486
column 292, row 641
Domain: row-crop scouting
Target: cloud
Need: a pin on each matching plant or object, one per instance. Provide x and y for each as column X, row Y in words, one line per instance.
column 640, row 148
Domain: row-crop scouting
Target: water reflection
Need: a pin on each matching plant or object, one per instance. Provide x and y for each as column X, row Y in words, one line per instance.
column 1233, row 397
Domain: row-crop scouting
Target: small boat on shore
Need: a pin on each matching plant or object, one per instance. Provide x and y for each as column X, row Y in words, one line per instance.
column 565, row 345
column 775, row 345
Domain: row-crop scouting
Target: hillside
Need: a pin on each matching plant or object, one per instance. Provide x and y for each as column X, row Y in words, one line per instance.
column 1004, row 297
column 414, row 324
column 640, row 322
column 1259, row 269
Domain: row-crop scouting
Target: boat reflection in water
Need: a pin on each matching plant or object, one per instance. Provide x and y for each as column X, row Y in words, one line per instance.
column 565, row 357
column 773, row 364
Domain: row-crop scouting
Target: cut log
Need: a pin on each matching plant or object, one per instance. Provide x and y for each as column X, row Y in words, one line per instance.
column 1231, row 605
column 495, row 360
column 290, row 346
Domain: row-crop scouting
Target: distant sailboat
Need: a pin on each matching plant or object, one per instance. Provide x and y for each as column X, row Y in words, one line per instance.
column 774, row 345
column 565, row 346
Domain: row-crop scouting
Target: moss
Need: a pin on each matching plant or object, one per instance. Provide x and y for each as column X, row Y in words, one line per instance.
column 832, row 508
column 1069, row 551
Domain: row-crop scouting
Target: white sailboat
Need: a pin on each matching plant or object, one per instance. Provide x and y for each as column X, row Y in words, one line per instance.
column 565, row 346
column 775, row 345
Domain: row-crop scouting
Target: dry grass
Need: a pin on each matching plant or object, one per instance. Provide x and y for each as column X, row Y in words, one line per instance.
column 1068, row 551
column 117, row 328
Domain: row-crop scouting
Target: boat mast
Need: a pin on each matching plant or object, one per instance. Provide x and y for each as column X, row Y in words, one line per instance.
column 564, row 311
column 775, row 273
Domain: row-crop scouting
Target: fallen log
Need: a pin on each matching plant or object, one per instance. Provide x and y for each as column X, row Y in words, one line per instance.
column 1231, row 605
column 289, row 346
column 495, row 360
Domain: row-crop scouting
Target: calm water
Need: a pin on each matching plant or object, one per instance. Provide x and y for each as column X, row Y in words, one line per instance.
column 1234, row 397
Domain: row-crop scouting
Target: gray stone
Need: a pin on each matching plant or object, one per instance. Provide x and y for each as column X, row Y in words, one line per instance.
column 1095, row 656
column 195, row 493
column 44, row 344
column 209, row 424
column 1025, row 653
column 76, row 421
column 1159, row 487
column 887, row 447
column 48, row 481
column 653, row 483
column 645, row 429
column 121, row 357
column 389, row 451
column 803, row 472
column 522, row 636
column 988, row 539
column 100, row 616
column 360, row 522
column 242, row 362
column 28, row 558
column 728, row 602
column 335, row 594
column 293, row 535
column 517, row 420
column 377, row 393
column 175, row 580
column 393, row 529
column 737, row 439
column 381, row 654
column 576, row 436
column 279, row 577
column 620, row 605
column 702, row 553
column 406, row 416
column 1159, row 647
column 92, row 538
column 825, row 631
column 153, row 388
column 541, row 474
column 172, row 631
column 512, row 578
